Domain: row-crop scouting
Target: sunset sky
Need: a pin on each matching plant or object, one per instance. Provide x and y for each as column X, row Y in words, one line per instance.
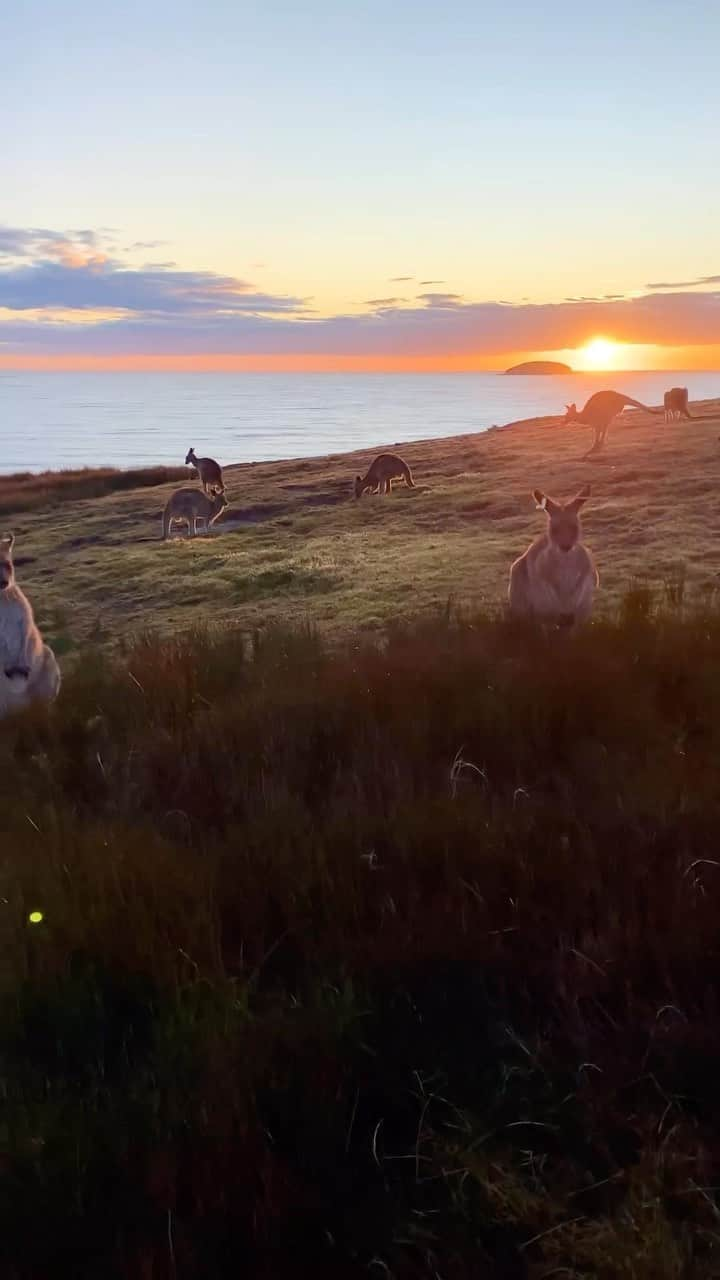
column 360, row 184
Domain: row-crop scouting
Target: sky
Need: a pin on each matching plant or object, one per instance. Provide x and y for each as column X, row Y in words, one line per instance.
column 357, row 184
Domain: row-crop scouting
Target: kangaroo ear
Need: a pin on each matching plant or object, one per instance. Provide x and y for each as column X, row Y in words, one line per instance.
column 8, row 541
column 540, row 499
column 580, row 499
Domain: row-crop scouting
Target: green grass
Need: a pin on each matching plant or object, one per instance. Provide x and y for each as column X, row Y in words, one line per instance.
column 385, row 960
column 294, row 548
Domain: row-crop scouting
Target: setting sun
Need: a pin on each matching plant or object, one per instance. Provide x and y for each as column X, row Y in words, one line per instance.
column 600, row 353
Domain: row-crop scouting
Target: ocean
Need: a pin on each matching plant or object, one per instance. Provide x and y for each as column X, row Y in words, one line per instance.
column 61, row 420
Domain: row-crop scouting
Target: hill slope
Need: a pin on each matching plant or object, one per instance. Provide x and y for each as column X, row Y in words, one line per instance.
column 294, row 545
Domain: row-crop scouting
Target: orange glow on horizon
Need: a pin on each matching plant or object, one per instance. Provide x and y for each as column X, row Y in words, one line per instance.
column 261, row 364
column 613, row 356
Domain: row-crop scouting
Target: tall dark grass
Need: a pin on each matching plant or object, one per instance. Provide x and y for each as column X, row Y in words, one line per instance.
column 25, row 491
column 398, row 960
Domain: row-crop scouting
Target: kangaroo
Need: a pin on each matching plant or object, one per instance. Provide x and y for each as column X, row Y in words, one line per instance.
column 676, row 404
column 210, row 472
column 381, row 473
column 28, row 668
column 555, row 579
column 191, row 505
column 599, row 412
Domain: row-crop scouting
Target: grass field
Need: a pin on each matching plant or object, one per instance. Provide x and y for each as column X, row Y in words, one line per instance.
column 295, row 547
column 396, row 961
column 336, row 947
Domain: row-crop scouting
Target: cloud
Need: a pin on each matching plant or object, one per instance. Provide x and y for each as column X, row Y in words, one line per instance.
column 97, row 285
column 383, row 302
column 142, row 245
column 441, row 299
column 42, row 269
column 427, row 282
column 463, row 329
column 684, row 284
column 48, row 277
column 400, row 279
column 40, row 244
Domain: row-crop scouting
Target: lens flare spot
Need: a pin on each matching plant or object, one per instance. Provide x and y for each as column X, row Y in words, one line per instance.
column 36, row 917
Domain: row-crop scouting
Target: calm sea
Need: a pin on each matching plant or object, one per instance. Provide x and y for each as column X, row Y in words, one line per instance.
column 54, row 420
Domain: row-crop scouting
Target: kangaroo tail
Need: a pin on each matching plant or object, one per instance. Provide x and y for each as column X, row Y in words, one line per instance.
column 408, row 477
column 638, row 405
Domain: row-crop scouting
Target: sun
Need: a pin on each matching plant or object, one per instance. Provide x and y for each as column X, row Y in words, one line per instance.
column 599, row 353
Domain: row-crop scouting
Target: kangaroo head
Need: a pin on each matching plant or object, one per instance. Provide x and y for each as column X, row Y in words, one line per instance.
column 563, row 518
column 570, row 413
column 7, row 569
column 190, row 457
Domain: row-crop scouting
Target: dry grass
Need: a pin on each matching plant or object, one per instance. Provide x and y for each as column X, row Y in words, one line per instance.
column 295, row 547
column 26, row 491
column 398, row 962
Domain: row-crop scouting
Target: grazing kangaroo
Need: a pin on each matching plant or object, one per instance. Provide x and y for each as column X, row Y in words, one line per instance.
column 210, row 472
column 381, row 473
column 191, row 505
column 676, row 404
column 599, row 412
column 555, row 579
column 28, row 668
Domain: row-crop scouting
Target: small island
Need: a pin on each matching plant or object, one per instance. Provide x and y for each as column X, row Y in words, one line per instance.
column 540, row 366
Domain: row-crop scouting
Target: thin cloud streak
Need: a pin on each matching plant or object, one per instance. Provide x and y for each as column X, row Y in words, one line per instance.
column 684, row 284
column 382, row 302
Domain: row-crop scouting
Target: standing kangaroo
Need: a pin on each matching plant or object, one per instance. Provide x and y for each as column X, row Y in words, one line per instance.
column 28, row 668
column 676, row 404
column 191, row 505
column 599, row 412
column 381, row 473
column 210, row 472
column 555, row 579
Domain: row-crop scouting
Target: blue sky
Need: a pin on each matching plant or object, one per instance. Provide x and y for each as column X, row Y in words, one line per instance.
column 520, row 152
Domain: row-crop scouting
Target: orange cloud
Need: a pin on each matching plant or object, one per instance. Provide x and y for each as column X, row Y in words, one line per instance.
column 66, row 302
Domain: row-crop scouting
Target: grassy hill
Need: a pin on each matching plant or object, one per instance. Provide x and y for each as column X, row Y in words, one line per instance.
column 337, row 952
column 294, row 546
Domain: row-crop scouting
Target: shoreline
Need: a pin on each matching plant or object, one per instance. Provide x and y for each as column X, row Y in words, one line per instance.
column 294, row 547
column 366, row 451
column 708, row 408
column 125, row 423
column 704, row 409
